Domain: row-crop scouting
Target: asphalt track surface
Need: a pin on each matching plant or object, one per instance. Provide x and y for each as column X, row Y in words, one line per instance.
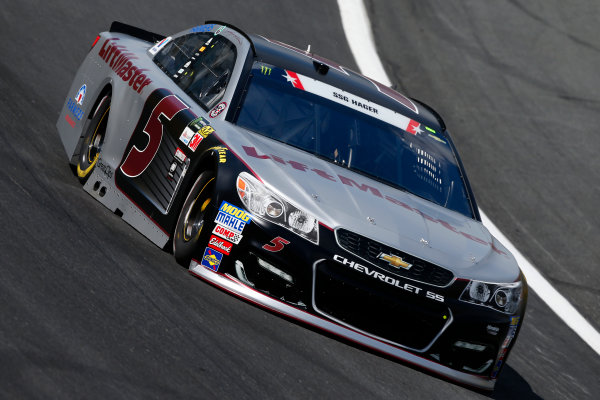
column 91, row 309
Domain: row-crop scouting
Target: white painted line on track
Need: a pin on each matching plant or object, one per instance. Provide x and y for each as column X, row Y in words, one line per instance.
column 357, row 28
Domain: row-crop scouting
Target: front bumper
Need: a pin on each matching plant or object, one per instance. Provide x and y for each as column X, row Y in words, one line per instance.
column 421, row 324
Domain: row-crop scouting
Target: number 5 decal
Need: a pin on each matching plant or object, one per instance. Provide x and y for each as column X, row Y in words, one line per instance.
column 277, row 244
column 138, row 160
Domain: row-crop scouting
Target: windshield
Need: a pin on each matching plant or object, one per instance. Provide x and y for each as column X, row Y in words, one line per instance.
column 353, row 133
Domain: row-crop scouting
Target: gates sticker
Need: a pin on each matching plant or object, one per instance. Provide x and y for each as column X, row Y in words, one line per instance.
column 211, row 259
column 227, row 233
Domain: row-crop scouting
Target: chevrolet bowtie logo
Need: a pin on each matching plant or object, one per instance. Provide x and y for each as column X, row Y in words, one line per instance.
column 394, row 261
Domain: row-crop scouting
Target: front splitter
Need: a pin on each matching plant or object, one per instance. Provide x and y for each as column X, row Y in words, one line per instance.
column 236, row 287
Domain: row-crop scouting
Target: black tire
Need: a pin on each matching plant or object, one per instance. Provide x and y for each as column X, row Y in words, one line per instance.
column 93, row 139
column 191, row 221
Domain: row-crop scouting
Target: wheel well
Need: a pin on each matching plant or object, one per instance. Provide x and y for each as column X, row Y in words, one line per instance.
column 107, row 89
column 208, row 162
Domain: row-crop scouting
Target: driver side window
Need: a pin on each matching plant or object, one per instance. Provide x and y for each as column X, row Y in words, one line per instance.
column 201, row 64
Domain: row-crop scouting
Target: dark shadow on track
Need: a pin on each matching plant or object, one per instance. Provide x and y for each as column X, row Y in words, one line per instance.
column 513, row 386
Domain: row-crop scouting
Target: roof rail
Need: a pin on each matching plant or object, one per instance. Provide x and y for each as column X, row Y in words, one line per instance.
column 238, row 30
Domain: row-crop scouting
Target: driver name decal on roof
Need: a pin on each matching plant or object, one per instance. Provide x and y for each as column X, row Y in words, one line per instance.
column 357, row 103
column 391, row 93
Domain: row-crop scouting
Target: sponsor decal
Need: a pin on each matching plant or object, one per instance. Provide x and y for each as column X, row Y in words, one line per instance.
column 512, row 330
column 70, row 121
column 180, row 155
column 492, row 330
column 195, row 132
column 75, row 109
column 219, row 30
column 414, row 128
column 211, row 259
column 178, row 158
column 252, row 152
column 80, row 94
column 388, row 279
column 158, row 46
column 186, row 135
column 265, row 70
column 105, row 168
column 219, row 244
column 232, row 217
column 293, row 78
column 227, row 233
column 203, row 28
column 195, row 141
column 394, row 261
column 198, row 123
column 222, row 151
column 120, row 60
column 232, row 223
column 235, row 212
column 219, row 108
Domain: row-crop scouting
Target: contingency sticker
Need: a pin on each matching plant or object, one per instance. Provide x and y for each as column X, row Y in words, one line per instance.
column 219, row 108
column 232, row 217
column 219, row 244
column 156, row 48
column 227, row 233
column 211, row 259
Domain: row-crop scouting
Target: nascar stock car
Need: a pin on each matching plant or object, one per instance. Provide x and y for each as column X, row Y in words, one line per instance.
column 300, row 186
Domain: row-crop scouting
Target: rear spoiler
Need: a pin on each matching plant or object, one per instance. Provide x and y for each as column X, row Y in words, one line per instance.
column 139, row 33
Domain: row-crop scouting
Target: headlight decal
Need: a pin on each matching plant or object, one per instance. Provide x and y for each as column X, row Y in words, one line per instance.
column 267, row 205
column 503, row 297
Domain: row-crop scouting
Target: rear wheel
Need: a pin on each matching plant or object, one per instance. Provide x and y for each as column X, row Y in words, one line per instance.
column 93, row 139
column 191, row 219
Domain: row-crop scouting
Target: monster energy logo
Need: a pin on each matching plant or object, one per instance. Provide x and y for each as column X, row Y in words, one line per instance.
column 265, row 70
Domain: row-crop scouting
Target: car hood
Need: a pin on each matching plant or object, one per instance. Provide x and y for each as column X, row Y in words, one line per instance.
column 341, row 198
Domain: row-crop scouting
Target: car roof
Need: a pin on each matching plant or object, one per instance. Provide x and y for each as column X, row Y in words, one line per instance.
column 288, row 57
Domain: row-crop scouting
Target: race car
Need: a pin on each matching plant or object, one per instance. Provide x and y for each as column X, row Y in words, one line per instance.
column 300, row 186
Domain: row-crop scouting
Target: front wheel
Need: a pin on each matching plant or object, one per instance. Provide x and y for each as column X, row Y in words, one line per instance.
column 191, row 219
column 93, row 139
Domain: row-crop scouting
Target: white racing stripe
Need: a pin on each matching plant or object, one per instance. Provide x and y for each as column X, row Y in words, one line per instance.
column 360, row 39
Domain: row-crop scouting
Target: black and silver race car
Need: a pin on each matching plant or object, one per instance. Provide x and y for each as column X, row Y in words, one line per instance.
column 300, row 186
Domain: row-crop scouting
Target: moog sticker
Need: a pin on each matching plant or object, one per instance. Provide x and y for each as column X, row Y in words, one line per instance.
column 232, row 217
